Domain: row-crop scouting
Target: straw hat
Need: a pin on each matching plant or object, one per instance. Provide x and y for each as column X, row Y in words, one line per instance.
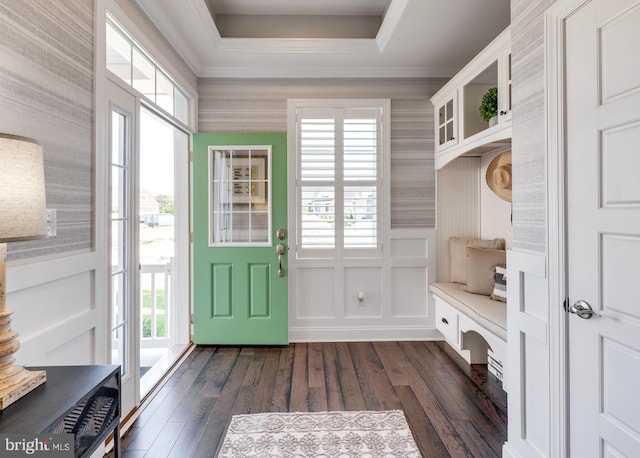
column 499, row 175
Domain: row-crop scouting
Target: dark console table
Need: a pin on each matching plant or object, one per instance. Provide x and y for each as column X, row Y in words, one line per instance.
column 83, row 400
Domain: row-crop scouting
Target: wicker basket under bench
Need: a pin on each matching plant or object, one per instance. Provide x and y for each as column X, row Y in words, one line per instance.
column 474, row 325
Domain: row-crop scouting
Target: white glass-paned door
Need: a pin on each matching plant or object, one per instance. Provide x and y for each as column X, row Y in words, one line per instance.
column 122, row 245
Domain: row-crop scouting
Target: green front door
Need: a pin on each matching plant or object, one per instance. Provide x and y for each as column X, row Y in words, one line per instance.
column 239, row 204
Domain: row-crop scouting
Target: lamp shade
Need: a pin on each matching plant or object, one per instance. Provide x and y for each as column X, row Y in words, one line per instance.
column 23, row 213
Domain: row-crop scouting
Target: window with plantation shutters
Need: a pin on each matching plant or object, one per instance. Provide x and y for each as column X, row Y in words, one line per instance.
column 339, row 181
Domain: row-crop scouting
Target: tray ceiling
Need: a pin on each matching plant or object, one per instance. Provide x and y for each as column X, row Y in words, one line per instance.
column 328, row 38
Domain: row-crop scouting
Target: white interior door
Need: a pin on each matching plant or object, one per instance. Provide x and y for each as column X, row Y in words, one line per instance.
column 123, row 256
column 603, row 173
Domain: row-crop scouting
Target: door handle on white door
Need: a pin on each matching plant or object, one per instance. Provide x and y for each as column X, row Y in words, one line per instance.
column 583, row 310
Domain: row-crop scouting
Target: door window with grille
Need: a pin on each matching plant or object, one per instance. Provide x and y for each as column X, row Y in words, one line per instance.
column 240, row 195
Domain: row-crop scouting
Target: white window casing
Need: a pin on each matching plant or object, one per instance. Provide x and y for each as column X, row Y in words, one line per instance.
column 340, row 163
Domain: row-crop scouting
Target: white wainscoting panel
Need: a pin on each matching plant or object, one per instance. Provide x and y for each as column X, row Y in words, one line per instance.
column 409, row 294
column 314, row 293
column 54, row 311
column 366, row 281
column 324, row 304
column 80, row 350
column 409, row 248
column 52, row 302
column 528, row 355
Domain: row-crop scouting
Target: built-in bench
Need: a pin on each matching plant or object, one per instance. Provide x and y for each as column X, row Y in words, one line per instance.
column 474, row 325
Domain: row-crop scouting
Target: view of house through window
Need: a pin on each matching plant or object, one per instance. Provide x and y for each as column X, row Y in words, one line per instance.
column 339, row 178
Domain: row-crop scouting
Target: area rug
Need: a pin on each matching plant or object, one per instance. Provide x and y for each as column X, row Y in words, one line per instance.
column 320, row 434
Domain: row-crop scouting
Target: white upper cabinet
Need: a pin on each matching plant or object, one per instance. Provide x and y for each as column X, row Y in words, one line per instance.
column 461, row 127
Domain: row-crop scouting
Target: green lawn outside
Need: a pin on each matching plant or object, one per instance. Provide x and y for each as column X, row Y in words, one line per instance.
column 146, row 313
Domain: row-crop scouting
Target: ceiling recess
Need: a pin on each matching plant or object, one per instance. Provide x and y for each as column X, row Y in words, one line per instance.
column 302, row 19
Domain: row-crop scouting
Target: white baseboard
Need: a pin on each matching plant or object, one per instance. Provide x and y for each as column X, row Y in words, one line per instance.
column 368, row 334
column 508, row 452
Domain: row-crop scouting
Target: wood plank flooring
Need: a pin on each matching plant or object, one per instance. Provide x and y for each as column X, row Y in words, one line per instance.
column 453, row 409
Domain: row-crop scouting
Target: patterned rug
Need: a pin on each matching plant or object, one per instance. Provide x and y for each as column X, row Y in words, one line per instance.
column 321, row 434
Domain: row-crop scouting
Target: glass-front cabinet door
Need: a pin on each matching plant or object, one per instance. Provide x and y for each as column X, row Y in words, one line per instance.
column 447, row 123
column 504, row 87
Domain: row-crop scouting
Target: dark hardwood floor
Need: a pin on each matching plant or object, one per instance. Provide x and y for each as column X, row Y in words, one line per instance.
column 453, row 409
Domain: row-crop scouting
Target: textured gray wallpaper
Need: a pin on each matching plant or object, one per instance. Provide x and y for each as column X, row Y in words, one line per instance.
column 529, row 162
column 46, row 93
column 260, row 105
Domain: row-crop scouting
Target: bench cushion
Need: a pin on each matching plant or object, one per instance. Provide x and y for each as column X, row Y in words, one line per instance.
column 485, row 311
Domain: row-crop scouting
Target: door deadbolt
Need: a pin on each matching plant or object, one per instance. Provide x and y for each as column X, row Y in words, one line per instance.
column 280, row 233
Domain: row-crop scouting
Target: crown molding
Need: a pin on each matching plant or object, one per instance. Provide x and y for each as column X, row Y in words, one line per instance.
column 299, row 45
column 391, row 20
column 158, row 13
column 325, row 72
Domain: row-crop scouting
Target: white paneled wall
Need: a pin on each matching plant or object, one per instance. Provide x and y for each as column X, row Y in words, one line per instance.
column 394, row 302
column 528, row 355
column 55, row 311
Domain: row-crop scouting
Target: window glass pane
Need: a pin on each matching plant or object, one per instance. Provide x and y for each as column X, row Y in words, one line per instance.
column 223, row 193
column 449, row 110
column 318, row 219
column 259, row 227
column 360, row 217
column 221, row 221
column 117, row 347
column 117, row 194
column 164, row 92
column 144, row 75
column 118, row 54
column 240, row 230
column 118, row 137
column 360, row 149
column 117, row 299
column 117, row 248
column 181, row 106
column 317, row 155
column 127, row 60
column 259, row 188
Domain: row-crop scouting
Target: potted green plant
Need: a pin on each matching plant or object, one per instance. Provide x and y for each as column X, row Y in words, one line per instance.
column 489, row 106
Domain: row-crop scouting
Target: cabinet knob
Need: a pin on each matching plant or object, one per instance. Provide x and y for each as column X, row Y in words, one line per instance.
column 502, row 113
column 452, row 138
column 444, row 320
